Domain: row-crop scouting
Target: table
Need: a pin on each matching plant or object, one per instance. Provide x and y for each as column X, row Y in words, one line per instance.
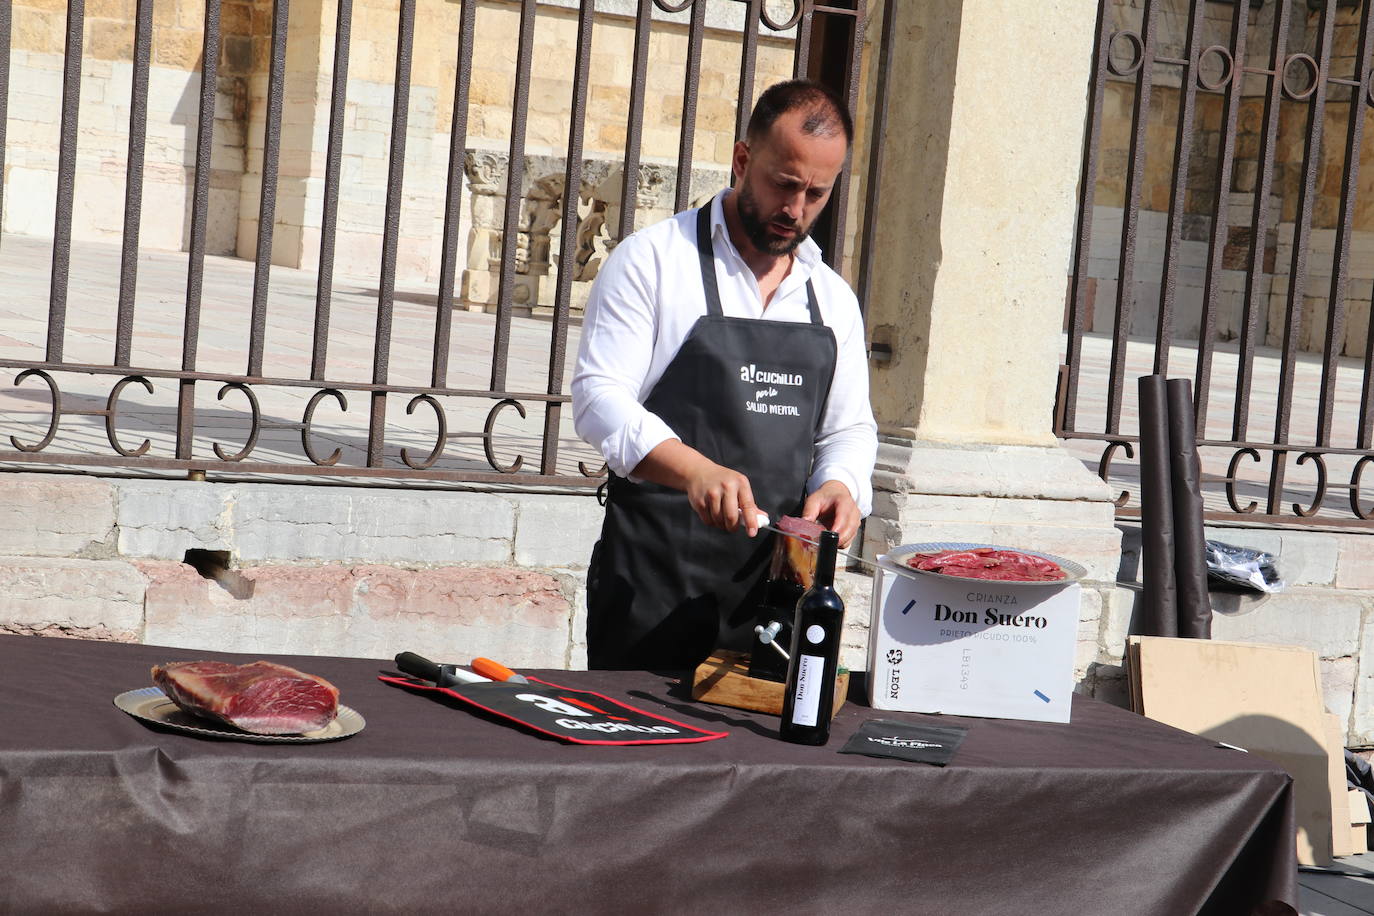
column 431, row 807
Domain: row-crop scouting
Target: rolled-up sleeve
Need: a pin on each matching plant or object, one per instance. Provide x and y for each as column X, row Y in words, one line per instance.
column 613, row 360
column 847, row 443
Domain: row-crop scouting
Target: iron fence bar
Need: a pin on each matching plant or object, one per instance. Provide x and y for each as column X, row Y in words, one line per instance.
column 876, row 145
column 634, row 124
column 801, row 58
column 1087, row 192
column 1302, row 233
column 1340, row 276
column 400, row 117
column 200, row 209
column 567, row 237
column 329, row 219
column 515, row 180
column 845, row 184
column 1125, row 293
column 687, row 132
column 1259, row 222
column 271, row 381
column 267, row 199
column 453, row 198
column 833, row 245
column 748, row 59
column 1217, row 235
column 1183, row 148
column 6, row 24
column 133, row 180
column 66, row 180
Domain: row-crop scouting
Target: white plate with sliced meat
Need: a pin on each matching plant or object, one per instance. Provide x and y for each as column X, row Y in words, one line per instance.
column 990, row 563
column 152, row 705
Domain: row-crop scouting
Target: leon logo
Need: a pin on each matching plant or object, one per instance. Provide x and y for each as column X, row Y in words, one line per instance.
column 894, row 677
column 754, row 375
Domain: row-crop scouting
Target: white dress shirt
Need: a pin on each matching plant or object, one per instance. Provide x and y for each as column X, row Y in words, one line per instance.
column 646, row 298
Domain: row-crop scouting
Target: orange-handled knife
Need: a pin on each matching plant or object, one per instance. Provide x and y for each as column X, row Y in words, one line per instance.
column 496, row 671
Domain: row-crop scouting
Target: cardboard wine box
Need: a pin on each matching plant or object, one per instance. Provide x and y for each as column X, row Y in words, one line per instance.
column 1001, row 650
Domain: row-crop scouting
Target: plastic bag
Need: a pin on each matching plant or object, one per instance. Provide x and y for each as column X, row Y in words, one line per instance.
column 1243, row 567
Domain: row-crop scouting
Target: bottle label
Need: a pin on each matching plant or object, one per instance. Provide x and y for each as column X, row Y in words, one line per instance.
column 807, row 700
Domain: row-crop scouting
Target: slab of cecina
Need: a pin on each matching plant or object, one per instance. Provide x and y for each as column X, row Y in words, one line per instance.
column 724, row 679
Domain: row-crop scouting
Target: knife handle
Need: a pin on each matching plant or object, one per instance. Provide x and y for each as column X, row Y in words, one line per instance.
column 419, row 666
column 497, row 671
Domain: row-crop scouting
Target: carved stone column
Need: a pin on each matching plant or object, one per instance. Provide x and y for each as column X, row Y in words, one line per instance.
column 486, row 174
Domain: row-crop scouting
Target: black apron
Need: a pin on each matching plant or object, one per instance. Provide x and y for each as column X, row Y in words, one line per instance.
column 663, row 587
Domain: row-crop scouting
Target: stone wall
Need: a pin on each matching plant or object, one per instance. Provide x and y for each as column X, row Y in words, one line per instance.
column 35, row 106
column 30, row 177
column 315, row 570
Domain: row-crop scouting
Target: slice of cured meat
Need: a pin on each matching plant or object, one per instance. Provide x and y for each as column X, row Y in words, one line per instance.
column 794, row 557
column 261, row 697
column 988, row 563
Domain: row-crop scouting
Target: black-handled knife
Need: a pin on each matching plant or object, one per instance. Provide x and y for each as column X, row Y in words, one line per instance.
column 441, row 675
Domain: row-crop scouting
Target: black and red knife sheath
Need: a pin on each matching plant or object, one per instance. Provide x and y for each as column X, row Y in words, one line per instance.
column 575, row 716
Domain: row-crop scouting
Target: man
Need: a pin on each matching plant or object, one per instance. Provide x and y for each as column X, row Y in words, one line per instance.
column 722, row 373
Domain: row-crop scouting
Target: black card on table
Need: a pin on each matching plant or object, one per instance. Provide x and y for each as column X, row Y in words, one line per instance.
column 933, row 744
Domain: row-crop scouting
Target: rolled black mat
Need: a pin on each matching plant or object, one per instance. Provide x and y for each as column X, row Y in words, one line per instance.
column 1190, row 548
column 1159, row 602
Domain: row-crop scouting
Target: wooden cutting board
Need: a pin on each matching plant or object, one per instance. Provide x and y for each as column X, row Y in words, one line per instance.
column 724, row 679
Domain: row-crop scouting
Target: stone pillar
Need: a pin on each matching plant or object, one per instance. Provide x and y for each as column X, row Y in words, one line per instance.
column 303, row 139
column 974, row 227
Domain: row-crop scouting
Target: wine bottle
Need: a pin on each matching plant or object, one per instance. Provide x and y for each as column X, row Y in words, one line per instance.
column 810, row 693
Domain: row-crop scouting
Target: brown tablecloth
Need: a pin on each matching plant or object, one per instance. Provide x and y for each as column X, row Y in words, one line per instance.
column 434, row 808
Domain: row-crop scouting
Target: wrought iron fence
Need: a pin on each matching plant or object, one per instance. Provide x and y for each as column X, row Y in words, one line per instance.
column 1224, row 232
column 826, row 42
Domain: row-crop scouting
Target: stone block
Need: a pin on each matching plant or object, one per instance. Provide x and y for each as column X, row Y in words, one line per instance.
column 1117, row 613
column 163, row 519
column 556, row 531
column 55, row 515
column 1362, row 720
column 1338, row 676
column 453, row 614
column 1355, row 566
column 1322, row 620
column 280, row 523
column 92, row 599
column 575, row 583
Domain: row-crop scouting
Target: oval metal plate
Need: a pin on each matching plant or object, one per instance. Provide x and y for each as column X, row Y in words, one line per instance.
column 151, row 705
column 899, row 556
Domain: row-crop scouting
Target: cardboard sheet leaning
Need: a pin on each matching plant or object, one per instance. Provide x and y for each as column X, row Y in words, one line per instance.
column 968, row 647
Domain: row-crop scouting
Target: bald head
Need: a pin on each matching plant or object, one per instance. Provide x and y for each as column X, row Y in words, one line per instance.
column 823, row 112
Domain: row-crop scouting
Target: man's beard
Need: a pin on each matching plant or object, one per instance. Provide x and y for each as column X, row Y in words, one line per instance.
column 756, row 227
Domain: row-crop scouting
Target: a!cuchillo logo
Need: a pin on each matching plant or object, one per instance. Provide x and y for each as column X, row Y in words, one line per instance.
column 756, row 376
column 894, row 678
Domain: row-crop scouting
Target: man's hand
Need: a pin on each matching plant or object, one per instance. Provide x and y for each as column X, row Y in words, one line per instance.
column 721, row 497
column 832, row 505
